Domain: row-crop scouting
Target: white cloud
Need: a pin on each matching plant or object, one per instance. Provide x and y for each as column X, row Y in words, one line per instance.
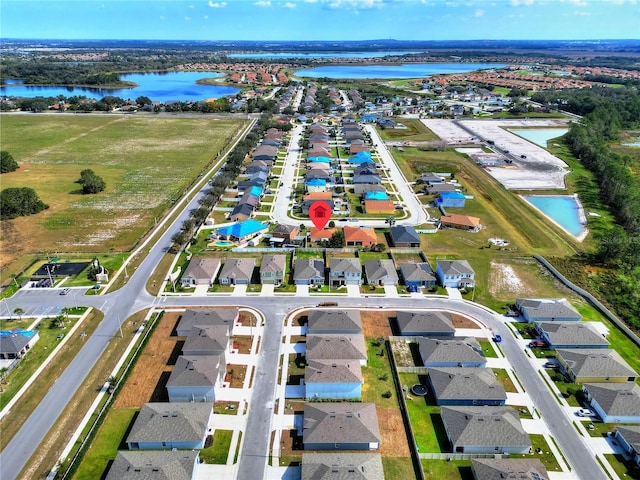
column 517, row 3
column 581, row 14
column 187, row 18
column 478, row 13
column 192, row 6
column 263, row 3
column 206, row 17
column 354, row 4
column 579, row 3
column 217, row 4
column 289, row 5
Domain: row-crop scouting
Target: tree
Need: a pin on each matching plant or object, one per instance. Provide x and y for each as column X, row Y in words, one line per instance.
column 7, row 162
column 336, row 240
column 19, row 201
column 18, row 311
column 91, row 183
column 391, row 221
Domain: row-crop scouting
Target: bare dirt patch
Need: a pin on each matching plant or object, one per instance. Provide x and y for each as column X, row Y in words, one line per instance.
column 393, row 441
column 402, row 354
column 503, row 279
column 462, row 322
column 148, row 378
column 235, row 375
column 376, row 324
column 242, row 343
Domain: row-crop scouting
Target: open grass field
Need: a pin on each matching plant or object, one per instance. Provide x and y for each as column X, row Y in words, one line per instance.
column 416, row 131
column 146, row 162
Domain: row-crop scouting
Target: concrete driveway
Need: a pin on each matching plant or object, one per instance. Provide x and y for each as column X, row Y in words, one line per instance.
column 353, row 290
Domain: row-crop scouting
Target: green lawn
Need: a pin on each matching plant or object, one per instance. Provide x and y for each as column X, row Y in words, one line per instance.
column 449, row 470
column 505, row 380
column 398, row 467
column 545, row 455
column 147, row 163
column 487, row 349
column 105, row 446
column 377, row 377
column 218, row 452
column 624, row 468
column 416, row 131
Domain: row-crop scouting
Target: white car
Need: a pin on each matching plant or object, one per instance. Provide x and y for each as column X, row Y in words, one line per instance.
column 584, row 412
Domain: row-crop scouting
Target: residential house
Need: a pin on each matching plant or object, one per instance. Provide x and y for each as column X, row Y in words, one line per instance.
column 323, row 322
column 312, row 197
column 344, row 271
column 464, row 352
column 273, row 269
column 455, row 273
column 358, row 145
column 237, row 271
column 340, row 426
column 316, row 185
column 207, row 340
column 363, row 188
column 202, row 318
column 242, row 231
column 629, row 439
column 570, row 335
column 436, row 188
column 614, row 402
column 431, row 323
column 404, row 236
column 360, row 236
column 242, row 211
column 376, row 196
column 320, row 236
column 159, row 465
column 379, row 207
column 485, row 430
column 367, row 179
column 165, row 426
column 200, row 271
column 417, row 274
column 460, row 222
column 319, row 152
column 595, row 366
column 333, row 379
column 265, row 152
column 336, row 347
column 508, row 468
column 338, row 466
column 450, row 199
column 547, row 310
column 284, row 235
column 466, row 386
column 195, row 378
column 15, row 344
column 308, row 271
column 430, row 178
column 380, row 272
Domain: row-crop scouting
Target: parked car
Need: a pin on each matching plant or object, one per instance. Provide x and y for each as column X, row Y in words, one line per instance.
column 65, row 291
column 550, row 365
column 537, row 344
column 497, row 338
column 584, row 412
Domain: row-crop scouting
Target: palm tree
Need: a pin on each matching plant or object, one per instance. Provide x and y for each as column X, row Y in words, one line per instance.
column 18, row 311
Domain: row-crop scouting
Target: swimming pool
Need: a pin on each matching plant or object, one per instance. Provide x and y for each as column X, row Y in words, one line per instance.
column 563, row 210
column 222, row 243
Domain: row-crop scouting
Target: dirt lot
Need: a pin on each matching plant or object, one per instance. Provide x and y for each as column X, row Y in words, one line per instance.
column 235, row 375
column 462, row 322
column 393, row 441
column 149, row 376
column 376, row 323
column 242, row 343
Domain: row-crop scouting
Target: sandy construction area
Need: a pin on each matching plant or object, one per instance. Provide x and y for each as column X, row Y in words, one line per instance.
column 532, row 167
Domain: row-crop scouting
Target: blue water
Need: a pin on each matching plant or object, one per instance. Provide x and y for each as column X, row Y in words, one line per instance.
column 159, row 87
column 318, row 55
column 406, row 70
column 632, row 144
column 539, row 136
column 562, row 209
column 19, row 331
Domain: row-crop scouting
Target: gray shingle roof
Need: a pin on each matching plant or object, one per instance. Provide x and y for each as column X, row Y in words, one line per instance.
column 427, row 323
column 379, row 269
column 273, row 263
column 219, row 316
column 153, row 465
column 204, row 268
column 508, row 468
column 460, row 383
column 455, row 350
column 340, row 423
column 417, row 272
column 403, row 234
column 333, row 371
column 572, row 333
column 616, row 399
column 484, row 426
column 212, row 338
column 596, row 363
column 331, row 320
column 238, row 268
column 631, row 436
column 346, row 265
column 336, row 347
column 13, row 343
column 547, row 308
column 455, row 267
column 306, row 268
column 171, row 422
column 342, row 466
column 196, row 371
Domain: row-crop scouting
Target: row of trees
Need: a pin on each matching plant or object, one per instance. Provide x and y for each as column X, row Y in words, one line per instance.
column 19, row 201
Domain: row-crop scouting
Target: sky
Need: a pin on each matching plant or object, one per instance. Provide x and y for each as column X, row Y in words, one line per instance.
column 320, row 19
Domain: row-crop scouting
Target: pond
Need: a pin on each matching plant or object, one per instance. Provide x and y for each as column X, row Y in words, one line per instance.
column 159, row 87
column 539, row 136
column 564, row 210
column 406, row 70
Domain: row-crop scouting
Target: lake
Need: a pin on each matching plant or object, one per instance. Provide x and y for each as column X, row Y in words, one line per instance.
column 564, row 210
column 160, row 87
column 405, row 70
column 539, row 136
column 318, row 55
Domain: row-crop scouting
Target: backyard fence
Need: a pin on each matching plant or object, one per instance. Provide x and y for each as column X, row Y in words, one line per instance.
column 460, row 456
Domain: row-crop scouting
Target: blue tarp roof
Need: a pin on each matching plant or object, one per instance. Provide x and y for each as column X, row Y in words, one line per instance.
column 376, row 196
column 363, row 153
column 451, row 195
column 360, row 160
column 319, row 159
column 255, row 190
column 242, row 229
column 317, row 182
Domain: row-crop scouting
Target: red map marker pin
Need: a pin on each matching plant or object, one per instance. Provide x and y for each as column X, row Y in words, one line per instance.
column 319, row 212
